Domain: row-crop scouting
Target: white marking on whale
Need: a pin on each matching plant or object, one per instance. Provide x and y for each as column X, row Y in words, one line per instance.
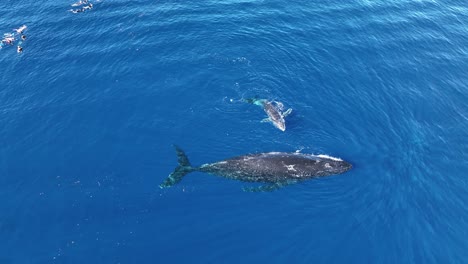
column 329, row 157
column 290, row 167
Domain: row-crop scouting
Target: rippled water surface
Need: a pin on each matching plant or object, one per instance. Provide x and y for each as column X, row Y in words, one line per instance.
column 89, row 112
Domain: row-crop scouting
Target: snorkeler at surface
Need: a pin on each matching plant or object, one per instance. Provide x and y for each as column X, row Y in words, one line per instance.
column 8, row 40
column 20, row 29
column 74, row 11
column 87, row 7
column 11, row 38
column 84, row 8
column 81, row 2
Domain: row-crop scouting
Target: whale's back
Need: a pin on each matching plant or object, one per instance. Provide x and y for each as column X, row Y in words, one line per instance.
column 276, row 167
column 274, row 115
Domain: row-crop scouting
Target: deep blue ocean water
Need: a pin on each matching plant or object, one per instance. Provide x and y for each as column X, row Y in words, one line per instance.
column 90, row 110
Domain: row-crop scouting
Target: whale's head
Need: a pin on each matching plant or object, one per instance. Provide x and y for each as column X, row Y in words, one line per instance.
column 333, row 165
column 280, row 124
column 342, row 167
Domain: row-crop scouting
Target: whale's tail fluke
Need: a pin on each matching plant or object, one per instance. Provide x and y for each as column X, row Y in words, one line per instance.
column 180, row 171
column 250, row 100
column 255, row 100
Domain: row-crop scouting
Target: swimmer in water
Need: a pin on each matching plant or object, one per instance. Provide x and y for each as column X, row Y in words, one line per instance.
column 19, row 49
column 8, row 40
column 23, row 37
column 81, row 2
column 74, row 11
column 87, row 7
column 20, row 29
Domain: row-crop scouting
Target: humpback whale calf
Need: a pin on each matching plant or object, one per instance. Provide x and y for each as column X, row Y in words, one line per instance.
column 273, row 110
column 274, row 169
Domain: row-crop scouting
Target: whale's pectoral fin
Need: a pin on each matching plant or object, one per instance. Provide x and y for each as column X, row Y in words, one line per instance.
column 266, row 120
column 279, row 105
column 266, row 188
column 288, row 112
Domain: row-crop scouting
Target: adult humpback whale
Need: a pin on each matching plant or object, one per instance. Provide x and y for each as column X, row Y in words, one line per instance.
column 275, row 169
column 274, row 111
